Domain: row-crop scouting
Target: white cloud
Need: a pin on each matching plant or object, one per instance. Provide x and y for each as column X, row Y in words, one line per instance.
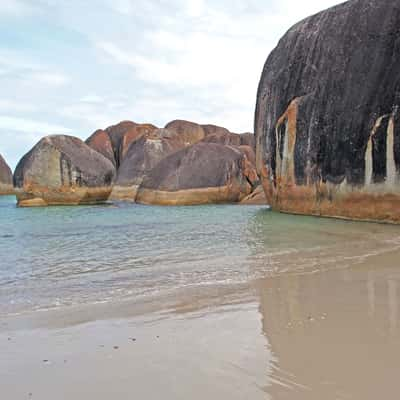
column 17, row 64
column 12, row 106
column 93, row 115
column 91, row 98
column 30, row 126
column 15, row 8
column 18, row 135
column 123, row 6
column 49, row 78
column 214, row 49
column 195, row 8
column 145, row 60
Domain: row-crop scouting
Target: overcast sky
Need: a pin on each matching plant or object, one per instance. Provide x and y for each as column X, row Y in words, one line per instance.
column 72, row 66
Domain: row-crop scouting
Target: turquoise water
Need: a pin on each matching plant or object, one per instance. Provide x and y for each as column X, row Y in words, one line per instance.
column 61, row 256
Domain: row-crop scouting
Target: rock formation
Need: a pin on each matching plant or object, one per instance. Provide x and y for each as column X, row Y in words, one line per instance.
column 114, row 141
column 184, row 163
column 143, row 155
column 257, row 197
column 6, row 184
column 217, row 134
column 210, row 129
column 199, row 174
column 63, row 170
column 116, row 134
column 248, row 139
column 189, row 132
column 327, row 119
column 101, row 142
column 132, row 135
column 228, row 138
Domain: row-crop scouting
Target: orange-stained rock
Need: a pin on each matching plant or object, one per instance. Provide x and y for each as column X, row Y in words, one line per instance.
column 257, row 197
column 101, row 142
column 63, row 170
column 116, row 132
column 143, row 155
column 248, row 139
column 210, row 129
column 249, row 151
column 114, row 141
column 131, row 135
column 199, row 174
column 217, row 134
column 6, row 183
column 327, row 118
column 189, row 132
column 227, row 138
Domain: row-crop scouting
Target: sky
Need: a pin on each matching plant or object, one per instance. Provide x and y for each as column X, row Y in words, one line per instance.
column 73, row 66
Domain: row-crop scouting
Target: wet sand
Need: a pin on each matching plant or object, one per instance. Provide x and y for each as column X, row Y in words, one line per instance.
column 328, row 333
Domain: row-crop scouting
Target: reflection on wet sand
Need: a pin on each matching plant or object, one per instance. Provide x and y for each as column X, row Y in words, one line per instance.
column 309, row 312
column 335, row 334
column 329, row 307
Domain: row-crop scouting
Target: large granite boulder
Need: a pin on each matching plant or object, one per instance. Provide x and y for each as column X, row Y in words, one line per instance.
column 188, row 132
column 244, row 142
column 101, row 142
column 6, row 184
column 114, row 141
column 63, row 170
column 143, row 155
column 199, row 174
column 227, row 138
column 248, row 139
column 116, row 134
column 217, row 134
column 131, row 136
column 327, row 119
column 249, row 152
column 210, row 129
column 256, row 197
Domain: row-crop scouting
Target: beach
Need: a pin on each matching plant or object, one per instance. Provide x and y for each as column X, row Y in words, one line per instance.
column 267, row 306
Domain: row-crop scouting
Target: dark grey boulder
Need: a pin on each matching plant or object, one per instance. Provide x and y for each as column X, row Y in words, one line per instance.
column 6, row 184
column 199, row 174
column 63, row 170
column 189, row 132
column 143, row 155
column 114, row 141
column 327, row 117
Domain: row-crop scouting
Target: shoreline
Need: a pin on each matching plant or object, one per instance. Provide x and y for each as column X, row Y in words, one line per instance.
column 228, row 348
column 197, row 303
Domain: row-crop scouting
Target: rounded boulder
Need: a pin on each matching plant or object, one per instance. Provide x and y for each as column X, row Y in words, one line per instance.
column 200, row 174
column 6, row 184
column 63, row 170
column 143, row 155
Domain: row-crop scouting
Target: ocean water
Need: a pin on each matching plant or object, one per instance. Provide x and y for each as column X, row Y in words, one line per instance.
column 62, row 256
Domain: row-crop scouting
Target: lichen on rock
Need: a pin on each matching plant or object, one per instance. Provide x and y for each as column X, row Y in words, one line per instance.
column 63, row 170
column 327, row 116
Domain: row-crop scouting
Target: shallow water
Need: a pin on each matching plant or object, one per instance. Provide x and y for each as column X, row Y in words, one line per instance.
column 245, row 303
column 61, row 256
